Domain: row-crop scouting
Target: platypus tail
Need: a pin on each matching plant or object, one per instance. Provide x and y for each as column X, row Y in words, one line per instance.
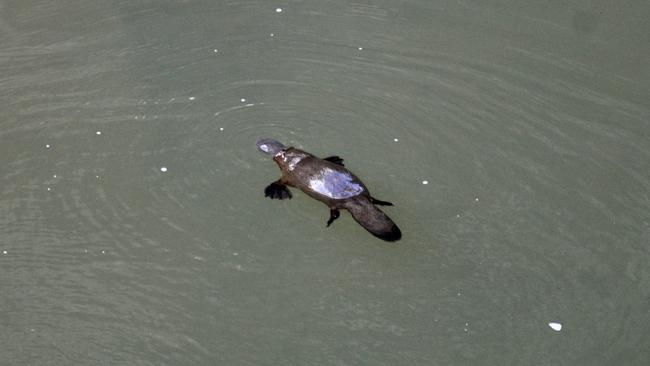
column 373, row 219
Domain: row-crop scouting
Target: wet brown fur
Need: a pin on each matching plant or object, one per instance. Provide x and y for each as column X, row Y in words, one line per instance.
column 360, row 206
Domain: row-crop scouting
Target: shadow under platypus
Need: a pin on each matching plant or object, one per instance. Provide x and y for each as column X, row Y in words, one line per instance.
column 328, row 181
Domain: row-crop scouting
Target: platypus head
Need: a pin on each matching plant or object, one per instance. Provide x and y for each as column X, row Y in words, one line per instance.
column 285, row 157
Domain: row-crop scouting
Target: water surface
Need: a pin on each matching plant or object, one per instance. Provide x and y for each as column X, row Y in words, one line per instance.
column 512, row 136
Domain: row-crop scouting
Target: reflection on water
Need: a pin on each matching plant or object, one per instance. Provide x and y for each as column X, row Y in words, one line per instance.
column 511, row 137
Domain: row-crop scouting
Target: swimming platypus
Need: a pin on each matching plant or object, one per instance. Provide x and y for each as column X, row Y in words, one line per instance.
column 328, row 181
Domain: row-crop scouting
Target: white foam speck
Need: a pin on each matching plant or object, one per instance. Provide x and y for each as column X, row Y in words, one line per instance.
column 396, row 140
column 243, row 100
column 54, row 176
column 97, row 176
column 458, row 216
column 192, row 98
column 555, row 326
column 163, row 169
column 235, row 253
column 47, row 146
column 272, row 35
column 4, row 252
column 278, row 10
column 476, row 199
column 425, row 182
column 103, row 252
column 360, row 48
column 49, row 189
column 98, row 133
column 220, row 128
column 216, row 50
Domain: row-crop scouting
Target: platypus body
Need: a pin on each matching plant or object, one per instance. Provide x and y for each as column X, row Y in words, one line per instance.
column 328, row 181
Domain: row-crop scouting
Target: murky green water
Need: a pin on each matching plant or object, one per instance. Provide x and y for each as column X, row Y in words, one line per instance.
column 134, row 231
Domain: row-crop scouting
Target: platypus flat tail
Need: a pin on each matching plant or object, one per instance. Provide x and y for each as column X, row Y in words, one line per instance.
column 373, row 219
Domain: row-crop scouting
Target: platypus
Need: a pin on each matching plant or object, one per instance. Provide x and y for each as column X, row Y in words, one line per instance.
column 328, row 181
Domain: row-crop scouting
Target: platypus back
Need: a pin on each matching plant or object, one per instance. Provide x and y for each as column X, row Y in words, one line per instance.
column 373, row 219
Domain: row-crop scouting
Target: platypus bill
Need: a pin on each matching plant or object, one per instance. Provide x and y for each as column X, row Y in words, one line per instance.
column 328, row 181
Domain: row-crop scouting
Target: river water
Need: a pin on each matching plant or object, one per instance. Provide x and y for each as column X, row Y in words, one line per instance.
column 512, row 136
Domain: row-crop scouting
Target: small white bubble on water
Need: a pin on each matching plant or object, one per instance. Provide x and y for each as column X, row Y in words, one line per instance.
column 4, row 252
column 54, row 176
column 192, row 98
column 272, row 35
column 216, row 50
column 49, row 189
column 220, row 128
column 360, row 48
column 555, row 326
column 396, row 140
column 243, row 100
column 476, row 199
column 47, row 146
column 278, row 10
column 163, row 169
column 425, row 182
column 98, row 133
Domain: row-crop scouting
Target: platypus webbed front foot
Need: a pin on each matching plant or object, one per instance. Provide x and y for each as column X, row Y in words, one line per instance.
column 379, row 202
column 334, row 214
column 277, row 190
column 335, row 159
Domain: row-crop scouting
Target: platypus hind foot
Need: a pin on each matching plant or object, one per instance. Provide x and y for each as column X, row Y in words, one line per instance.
column 379, row 202
column 334, row 214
